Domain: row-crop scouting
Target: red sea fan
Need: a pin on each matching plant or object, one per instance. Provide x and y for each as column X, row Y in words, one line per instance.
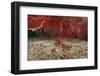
column 61, row 26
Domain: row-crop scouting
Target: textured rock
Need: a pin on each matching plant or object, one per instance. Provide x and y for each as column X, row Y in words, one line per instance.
column 46, row 50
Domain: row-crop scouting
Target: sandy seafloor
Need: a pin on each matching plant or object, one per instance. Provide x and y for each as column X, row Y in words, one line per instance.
column 44, row 49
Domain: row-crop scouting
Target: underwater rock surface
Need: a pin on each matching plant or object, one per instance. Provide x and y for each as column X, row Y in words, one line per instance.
column 45, row 49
